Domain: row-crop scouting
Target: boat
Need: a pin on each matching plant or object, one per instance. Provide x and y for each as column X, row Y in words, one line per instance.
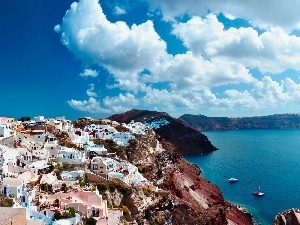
column 233, row 180
column 258, row 193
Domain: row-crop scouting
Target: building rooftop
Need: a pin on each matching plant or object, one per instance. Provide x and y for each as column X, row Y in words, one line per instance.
column 7, row 213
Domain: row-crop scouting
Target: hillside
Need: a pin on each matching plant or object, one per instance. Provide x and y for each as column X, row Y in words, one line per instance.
column 184, row 196
column 185, row 138
column 277, row 121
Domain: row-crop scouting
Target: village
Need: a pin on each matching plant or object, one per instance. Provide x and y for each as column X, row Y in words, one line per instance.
column 45, row 181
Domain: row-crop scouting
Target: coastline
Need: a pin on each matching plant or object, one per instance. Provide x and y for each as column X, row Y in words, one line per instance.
column 198, row 190
column 247, row 209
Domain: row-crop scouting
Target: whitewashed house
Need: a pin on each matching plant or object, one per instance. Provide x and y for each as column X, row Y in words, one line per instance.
column 80, row 137
column 136, row 127
column 72, row 175
column 35, row 146
column 95, row 149
column 6, row 130
column 122, row 138
column 25, row 156
column 10, row 166
column 14, row 169
column 13, row 187
column 38, row 167
column 60, row 123
column 40, row 120
column 51, row 147
column 70, row 155
column 105, row 132
column 52, row 180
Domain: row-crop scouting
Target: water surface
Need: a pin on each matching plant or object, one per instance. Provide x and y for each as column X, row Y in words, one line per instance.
column 266, row 158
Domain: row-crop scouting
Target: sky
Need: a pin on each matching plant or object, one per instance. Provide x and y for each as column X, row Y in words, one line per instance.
column 98, row 58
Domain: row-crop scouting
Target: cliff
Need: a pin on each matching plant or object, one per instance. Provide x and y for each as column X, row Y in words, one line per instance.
column 290, row 216
column 184, row 197
column 277, row 121
column 185, row 138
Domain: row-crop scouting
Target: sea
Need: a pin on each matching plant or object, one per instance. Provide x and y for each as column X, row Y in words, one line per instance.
column 268, row 160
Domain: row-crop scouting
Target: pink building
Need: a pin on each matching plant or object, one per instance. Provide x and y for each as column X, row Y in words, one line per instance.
column 89, row 203
column 3, row 120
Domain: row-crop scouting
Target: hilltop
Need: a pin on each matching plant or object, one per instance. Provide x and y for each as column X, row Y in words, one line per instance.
column 184, row 137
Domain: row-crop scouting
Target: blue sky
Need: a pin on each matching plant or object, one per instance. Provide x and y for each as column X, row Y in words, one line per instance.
column 97, row 58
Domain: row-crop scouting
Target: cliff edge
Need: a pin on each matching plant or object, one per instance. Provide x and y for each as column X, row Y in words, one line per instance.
column 185, row 138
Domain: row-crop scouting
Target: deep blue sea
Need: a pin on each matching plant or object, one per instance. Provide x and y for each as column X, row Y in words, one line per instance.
column 266, row 158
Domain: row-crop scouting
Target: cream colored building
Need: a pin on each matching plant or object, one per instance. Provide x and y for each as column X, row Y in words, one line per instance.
column 102, row 166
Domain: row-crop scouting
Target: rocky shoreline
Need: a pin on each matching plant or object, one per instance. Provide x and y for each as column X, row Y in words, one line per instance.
column 195, row 199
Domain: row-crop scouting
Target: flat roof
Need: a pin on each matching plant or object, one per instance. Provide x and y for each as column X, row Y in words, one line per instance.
column 8, row 213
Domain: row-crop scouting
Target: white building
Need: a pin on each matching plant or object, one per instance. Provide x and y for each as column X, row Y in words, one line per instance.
column 40, row 120
column 96, row 149
column 6, row 130
column 13, row 187
column 72, row 175
column 51, row 147
column 105, row 131
column 70, row 155
column 136, row 127
column 60, row 123
column 122, row 138
column 38, row 167
column 80, row 137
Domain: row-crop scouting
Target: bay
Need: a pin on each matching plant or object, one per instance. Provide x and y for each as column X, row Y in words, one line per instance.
column 266, row 158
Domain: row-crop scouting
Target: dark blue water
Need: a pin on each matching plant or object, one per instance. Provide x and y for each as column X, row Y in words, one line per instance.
column 266, row 158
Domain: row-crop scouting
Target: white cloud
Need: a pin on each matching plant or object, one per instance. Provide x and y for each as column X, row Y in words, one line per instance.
column 190, row 72
column 265, row 93
column 120, row 103
column 92, row 105
column 89, row 73
column 119, row 11
column 57, row 28
column 272, row 51
column 267, row 13
column 124, row 51
column 90, row 92
column 215, row 57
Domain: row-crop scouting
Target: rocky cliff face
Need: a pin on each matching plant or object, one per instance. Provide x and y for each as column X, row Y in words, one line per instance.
column 290, row 216
column 185, row 138
column 279, row 121
column 184, row 197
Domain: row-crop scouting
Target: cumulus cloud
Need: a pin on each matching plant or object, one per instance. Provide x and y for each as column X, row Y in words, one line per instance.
column 92, row 105
column 86, row 31
column 272, row 51
column 90, row 92
column 120, row 103
column 119, row 11
column 89, row 73
column 137, row 59
column 263, row 14
column 190, row 72
column 265, row 93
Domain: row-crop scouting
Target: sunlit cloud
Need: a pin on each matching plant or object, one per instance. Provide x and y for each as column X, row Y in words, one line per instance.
column 89, row 73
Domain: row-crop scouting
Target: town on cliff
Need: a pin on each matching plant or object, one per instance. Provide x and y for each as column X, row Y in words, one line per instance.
column 105, row 171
